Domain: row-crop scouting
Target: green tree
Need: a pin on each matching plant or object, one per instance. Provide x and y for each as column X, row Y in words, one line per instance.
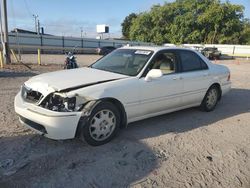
column 191, row 21
column 223, row 23
column 137, row 32
column 245, row 36
column 126, row 24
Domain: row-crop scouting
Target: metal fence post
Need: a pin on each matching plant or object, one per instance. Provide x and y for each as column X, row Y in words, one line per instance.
column 41, row 40
column 82, row 44
column 63, row 44
column 233, row 50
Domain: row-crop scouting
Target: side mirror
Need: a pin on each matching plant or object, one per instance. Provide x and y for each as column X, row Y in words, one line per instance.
column 153, row 74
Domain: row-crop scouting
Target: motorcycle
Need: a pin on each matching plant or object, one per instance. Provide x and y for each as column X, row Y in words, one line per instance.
column 70, row 61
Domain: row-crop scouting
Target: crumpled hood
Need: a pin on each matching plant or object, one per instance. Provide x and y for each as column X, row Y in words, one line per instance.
column 65, row 79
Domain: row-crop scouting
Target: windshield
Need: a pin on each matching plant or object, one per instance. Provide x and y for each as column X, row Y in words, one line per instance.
column 124, row 61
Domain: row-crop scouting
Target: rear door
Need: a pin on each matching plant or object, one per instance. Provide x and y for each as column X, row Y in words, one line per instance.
column 196, row 77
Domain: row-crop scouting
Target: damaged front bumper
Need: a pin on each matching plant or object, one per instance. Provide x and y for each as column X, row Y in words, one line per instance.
column 52, row 124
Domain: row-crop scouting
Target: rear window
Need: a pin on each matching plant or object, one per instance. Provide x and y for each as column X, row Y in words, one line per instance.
column 191, row 61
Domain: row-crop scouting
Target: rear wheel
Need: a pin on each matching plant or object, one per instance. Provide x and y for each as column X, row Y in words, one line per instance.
column 102, row 125
column 211, row 99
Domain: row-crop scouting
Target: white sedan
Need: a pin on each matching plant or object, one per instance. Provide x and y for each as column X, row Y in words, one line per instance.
column 129, row 84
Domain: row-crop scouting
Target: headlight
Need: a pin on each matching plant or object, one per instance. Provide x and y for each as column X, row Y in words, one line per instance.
column 56, row 102
column 70, row 103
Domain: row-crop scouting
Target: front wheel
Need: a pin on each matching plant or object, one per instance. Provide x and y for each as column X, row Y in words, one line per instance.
column 102, row 124
column 210, row 100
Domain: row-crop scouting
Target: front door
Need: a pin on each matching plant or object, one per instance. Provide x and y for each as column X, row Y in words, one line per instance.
column 164, row 93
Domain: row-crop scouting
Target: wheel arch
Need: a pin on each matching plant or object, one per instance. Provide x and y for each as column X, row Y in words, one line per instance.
column 218, row 86
column 87, row 109
column 121, row 109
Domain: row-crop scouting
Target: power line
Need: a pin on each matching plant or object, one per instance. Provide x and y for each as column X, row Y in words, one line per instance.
column 13, row 12
column 36, row 23
column 1, row 27
column 27, row 8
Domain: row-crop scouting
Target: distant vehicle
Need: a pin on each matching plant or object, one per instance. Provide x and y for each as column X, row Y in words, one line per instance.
column 211, row 53
column 169, row 45
column 105, row 50
column 197, row 48
column 70, row 61
column 129, row 84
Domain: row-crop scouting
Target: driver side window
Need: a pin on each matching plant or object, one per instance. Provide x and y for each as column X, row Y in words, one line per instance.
column 166, row 62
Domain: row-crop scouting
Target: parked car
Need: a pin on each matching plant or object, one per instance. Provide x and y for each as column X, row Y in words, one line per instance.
column 211, row 53
column 129, row 84
column 197, row 48
column 105, row 50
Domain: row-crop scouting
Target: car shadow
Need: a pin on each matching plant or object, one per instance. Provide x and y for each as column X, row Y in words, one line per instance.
column 41, row 162
column 236, row 102
column 226, row 57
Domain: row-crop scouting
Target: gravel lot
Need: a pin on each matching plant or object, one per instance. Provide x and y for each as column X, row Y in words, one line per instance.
column 47, row 59
column 188, row 148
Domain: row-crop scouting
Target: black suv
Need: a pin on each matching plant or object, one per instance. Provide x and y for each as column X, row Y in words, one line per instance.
column 211, row 53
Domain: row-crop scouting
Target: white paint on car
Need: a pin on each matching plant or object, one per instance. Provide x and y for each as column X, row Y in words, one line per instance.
column 141, row 98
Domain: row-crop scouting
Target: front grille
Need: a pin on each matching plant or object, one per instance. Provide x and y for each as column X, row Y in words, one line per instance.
column 30, row 96
column 34, row 125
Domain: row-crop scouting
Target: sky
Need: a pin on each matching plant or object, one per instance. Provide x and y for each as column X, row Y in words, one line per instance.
column 68, row 17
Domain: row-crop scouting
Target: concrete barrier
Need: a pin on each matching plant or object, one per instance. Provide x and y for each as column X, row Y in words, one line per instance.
column 228, row 49
column 52, row 44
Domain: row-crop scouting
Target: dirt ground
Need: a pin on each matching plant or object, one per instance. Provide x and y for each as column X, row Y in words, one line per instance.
column 188, row 148
column 48, row 59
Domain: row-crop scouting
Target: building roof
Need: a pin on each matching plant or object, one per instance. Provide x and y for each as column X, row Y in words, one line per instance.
column 25, row 31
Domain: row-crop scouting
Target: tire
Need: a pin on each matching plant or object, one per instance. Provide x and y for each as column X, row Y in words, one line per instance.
column 102, row 125
column 210, row 100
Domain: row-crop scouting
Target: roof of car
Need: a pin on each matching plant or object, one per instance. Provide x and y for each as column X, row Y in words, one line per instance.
column 153, row 48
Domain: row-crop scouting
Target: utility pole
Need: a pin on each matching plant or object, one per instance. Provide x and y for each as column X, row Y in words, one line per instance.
column 4, row 30
column 38, row 27
column 35, row 18
column 81, row 31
